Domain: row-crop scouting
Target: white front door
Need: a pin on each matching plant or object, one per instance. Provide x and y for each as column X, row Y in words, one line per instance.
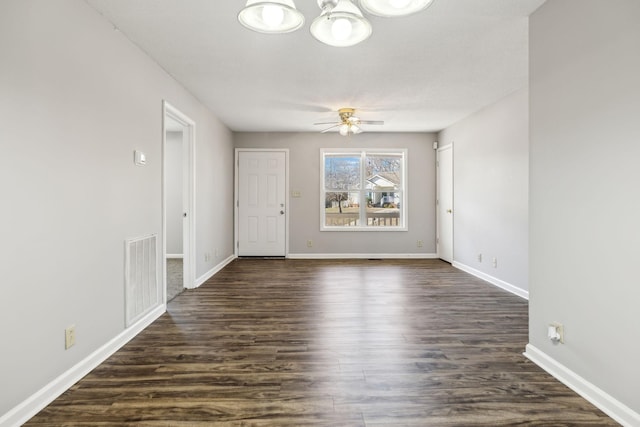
column 445, row 203
column 261, row 203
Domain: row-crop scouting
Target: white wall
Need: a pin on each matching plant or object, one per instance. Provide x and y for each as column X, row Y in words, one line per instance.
column 585, row 197
column 490, row 181
column 214, row 192
column 173, row 192
column 304, row 214
column 77, row 99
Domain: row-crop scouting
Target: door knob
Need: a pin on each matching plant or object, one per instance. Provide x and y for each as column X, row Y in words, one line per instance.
column 281, row 212
column 449, row 211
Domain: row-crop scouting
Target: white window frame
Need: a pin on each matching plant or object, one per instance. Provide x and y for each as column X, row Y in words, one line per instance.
column 362, row 152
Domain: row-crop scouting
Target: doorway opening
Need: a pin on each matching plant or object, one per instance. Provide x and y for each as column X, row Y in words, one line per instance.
column 178, row 202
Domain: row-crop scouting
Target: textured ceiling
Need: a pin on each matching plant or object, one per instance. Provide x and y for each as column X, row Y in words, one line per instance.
column 418, row 73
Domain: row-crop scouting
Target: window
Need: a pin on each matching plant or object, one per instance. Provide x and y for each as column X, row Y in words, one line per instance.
column 363, row 190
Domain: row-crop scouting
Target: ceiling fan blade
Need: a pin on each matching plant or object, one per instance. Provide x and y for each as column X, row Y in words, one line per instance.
column 371, row 122
column 328, row 123
column 296, row 106
column 332, row 127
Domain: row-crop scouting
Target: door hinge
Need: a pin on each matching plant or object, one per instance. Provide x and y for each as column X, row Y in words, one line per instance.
column 238, row 244
column 437, row 240
column 237, row 203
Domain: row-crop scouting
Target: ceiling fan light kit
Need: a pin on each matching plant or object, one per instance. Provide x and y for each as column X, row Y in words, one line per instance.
column 271, row 17
column 349, row 129
column 340, row 24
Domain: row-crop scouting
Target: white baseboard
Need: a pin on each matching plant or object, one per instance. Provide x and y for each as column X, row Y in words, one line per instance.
column 47, row 394
column 175, row 256
column 605, row 402
column 209, row 274
column 362, row 256
column 493, row 280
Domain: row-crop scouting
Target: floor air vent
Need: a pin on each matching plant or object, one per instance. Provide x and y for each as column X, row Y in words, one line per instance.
column 142, row 287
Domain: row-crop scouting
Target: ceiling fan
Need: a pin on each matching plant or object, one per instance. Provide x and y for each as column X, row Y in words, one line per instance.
column 348, row 124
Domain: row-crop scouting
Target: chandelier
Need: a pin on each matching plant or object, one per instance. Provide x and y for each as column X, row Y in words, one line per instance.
column 341, row 23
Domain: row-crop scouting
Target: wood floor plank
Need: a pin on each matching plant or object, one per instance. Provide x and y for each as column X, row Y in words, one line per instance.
column 328, row 343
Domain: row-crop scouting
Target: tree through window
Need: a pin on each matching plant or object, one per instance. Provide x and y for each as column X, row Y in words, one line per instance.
column 363, row 190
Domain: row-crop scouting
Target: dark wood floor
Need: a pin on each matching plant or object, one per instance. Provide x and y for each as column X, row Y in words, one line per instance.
column 328, row 343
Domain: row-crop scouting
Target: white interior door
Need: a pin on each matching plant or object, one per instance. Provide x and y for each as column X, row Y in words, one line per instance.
column 445, row 203
column 261, row 203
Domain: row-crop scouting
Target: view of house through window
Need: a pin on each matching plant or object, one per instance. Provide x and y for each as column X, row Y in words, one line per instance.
column 363, row 189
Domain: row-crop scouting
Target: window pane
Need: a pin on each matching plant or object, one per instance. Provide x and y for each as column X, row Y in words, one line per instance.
column 383, row 172
column 383, row 209
column 363, row 190
column 342, row 172
column 342, row 209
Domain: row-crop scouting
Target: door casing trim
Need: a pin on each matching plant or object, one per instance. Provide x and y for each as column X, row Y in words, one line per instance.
column 189, row 250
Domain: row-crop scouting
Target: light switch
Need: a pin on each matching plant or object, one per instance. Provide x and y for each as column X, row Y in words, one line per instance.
column 139, row 158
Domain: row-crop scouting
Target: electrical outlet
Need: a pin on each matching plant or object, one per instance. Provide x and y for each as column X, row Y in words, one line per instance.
column 479, row 257
column 419, row 243
column 69, row 337
column 216, row 253
column 309, row 243
column 495, row 262
column 556, row 332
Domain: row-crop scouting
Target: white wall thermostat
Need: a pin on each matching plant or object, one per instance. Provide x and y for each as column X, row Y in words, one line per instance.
column 139, row 158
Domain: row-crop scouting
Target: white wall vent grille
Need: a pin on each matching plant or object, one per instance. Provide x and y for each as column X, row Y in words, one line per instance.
column 142, row 287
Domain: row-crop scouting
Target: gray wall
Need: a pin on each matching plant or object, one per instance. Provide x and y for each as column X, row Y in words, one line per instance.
column 585, row 201
column 305, row 178
column 77, row 99
column 490, row 158
column 173, row 192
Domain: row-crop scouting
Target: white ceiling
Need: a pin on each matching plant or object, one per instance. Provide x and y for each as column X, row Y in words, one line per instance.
column 419, row 73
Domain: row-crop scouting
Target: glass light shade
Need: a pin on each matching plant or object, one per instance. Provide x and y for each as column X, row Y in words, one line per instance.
column 271, row 17
column 349, row 129
column 391, row 8
column 341, row 26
